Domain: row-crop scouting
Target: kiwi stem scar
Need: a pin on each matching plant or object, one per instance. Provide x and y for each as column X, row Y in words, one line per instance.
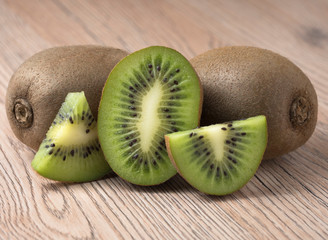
column 149, row 119
column 23, row 113
column 216, row 138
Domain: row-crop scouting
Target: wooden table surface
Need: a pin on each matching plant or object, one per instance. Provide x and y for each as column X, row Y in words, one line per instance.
column 287, row 198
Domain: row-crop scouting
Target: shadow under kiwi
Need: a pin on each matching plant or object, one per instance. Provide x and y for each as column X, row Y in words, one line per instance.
column 176, row 184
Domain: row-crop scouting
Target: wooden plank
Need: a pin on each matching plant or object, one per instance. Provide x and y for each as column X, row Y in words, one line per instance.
column 287, row 199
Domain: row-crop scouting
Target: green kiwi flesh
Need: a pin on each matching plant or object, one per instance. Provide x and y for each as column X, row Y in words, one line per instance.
column 148, row 94
column 219, row 159
column 71, row 151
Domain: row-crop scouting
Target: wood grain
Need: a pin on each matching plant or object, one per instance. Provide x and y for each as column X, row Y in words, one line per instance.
column 288, row 197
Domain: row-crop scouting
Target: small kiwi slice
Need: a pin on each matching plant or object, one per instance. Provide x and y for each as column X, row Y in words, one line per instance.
column 148, row 94
column 219, row 159
column 71, row 151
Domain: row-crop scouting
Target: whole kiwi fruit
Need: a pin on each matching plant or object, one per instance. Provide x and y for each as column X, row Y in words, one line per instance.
column 241, row 82
column 39, row 86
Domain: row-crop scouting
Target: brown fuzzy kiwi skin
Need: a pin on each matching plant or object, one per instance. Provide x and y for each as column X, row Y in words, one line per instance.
column 241, row 82
column 39, row 86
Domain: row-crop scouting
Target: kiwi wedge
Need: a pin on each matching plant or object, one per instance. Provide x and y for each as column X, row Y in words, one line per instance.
column 150, row 93
column 219, row 159
column 71, row 151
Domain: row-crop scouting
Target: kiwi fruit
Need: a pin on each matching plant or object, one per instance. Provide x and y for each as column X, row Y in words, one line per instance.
column 224, row 157
column 240, row 82
column 39, row 86
column 148, row 94
column 71, row 151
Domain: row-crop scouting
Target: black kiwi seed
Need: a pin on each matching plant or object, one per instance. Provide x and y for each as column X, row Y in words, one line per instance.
column 51, row 151
column 211, row 166
column 178, row 70
column 154, row 162
column 225, row 173
column 200, row 137
column 205, row 149
column 230, row 151
column 52, row 145
column 173, row 90
column 223, row 128
column 150, row 65
column 243, row 133
column 190, row 135
column 168, row 116
column 160, row 148
column 233, row 139
column 174, row 129
column 230, row 125
column 64, row 158
column 132, row 108
column 89, row 124
column 173, row 123
column 72, row 153
column 87, row 131
column 71, row 120
column 228, row 142
column 166, row 110
column 131, row 95
column 135, row 156
column 88, row 149
column 208, row 153
column 232, row 128
column 176, row 82
column 165, row 80
column 158, row 68
column 46, row 146
column 132, row 89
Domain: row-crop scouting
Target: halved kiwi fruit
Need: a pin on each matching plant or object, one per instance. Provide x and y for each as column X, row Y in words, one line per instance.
column 148, row 94
column 219, row 159
column 71, row 151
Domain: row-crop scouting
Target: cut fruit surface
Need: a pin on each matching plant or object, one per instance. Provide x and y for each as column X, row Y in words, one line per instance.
column 148, row 94
column 71, row 151
column 219, row 159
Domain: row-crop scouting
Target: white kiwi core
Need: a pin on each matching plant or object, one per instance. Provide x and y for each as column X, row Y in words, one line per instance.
column 149, row 121
column 72, row 134
column 217, row 137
